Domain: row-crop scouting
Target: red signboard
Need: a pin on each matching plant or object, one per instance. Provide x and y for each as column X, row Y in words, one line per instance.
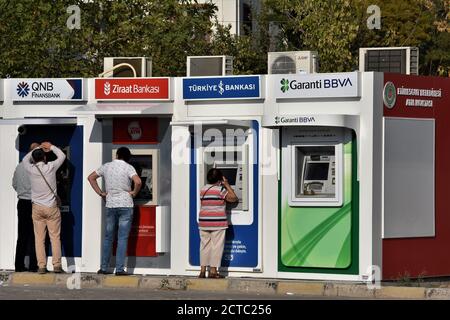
column 135, row 130
column 132, row 89
column 413, row 96
column 406, row 96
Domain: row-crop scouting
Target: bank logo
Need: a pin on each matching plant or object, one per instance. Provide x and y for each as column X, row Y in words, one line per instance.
column 221, row 89
column 134, row 130
column 294, row 120
column 284, row 85
column 107, row 88
column 389, row 95
column 23, row 89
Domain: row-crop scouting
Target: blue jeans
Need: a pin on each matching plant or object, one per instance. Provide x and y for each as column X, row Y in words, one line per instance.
column 123, row 216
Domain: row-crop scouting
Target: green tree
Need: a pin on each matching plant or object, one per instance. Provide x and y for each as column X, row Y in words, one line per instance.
column 338, row 28
column 328, row 27
column 37, row 43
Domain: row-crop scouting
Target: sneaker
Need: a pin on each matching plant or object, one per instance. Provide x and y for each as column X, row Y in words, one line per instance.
column 122, row 273
column 42, row 270
column 58, row 270
column 103, row 272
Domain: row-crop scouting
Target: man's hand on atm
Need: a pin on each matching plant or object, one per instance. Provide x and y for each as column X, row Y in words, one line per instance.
column 46, row 146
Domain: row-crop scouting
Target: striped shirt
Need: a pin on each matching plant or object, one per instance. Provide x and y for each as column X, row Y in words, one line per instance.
column 213, row 215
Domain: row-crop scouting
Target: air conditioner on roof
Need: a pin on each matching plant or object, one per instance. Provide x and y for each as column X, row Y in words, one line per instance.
column 391, row 59
column 142, row 66
column 209, row 66
column 298, row 62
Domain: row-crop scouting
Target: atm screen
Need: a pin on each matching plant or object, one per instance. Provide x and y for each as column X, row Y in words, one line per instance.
column 143, row 166
column 230, row 174
column 316, row 171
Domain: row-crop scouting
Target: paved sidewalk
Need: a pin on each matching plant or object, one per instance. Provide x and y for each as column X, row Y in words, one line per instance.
column 326, row 289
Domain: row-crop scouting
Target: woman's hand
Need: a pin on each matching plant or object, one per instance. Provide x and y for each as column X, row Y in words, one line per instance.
column 225, row 182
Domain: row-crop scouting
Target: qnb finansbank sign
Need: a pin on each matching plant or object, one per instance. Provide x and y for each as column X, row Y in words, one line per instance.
column 47, row 89
column 318, row 85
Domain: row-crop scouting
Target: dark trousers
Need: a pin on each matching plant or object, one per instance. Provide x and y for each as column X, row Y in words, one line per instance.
column 25, row 240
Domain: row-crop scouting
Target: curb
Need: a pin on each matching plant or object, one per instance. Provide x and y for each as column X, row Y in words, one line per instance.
column 242, row 285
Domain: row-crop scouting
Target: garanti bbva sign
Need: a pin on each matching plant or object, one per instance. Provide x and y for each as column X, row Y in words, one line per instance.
column 47, row 89
column 317, row 85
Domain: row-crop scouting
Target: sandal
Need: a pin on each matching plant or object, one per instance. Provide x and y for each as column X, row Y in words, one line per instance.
column 216, row 275
column 202, row 275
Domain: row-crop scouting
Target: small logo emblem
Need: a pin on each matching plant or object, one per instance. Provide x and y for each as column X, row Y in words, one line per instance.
column 221, row 89
column 134, row 130
column 23, row 89
column 389, row 95
column 284, row 85
column 107, row 88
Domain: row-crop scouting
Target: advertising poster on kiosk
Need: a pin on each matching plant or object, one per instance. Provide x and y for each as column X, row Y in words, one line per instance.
column 139, row 134
column 237, row 159
column 241, row 240
column 69, row 178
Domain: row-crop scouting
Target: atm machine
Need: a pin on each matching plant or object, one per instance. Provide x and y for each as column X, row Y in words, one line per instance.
column 318, row 209
column 145, row 161
column 233, row 159
column 317, row 175
column 233, row 162
column 148, row 234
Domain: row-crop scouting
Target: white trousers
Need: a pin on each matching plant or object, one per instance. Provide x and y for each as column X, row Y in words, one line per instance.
column 211, row 247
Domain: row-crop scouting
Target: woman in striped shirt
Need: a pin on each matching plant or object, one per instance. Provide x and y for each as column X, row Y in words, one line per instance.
column 213, row 221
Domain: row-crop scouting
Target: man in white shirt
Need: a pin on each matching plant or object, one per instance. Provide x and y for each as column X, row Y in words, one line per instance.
column 118, row 175
column 25, row 235
column 46, row 214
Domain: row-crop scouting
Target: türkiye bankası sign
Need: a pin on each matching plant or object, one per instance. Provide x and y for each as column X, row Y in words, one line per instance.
column 242, row 87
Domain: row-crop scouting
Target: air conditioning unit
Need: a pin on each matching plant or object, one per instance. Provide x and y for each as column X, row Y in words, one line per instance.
column 299, row 62
column 209, row 66
column 391, row 59
column 142, row 66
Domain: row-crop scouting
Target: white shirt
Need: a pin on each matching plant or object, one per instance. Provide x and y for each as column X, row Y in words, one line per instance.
column 118, row 177
column 21, row 182
column 40, row 192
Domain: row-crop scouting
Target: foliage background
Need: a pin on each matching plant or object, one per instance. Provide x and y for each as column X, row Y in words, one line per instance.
column 35, row 41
